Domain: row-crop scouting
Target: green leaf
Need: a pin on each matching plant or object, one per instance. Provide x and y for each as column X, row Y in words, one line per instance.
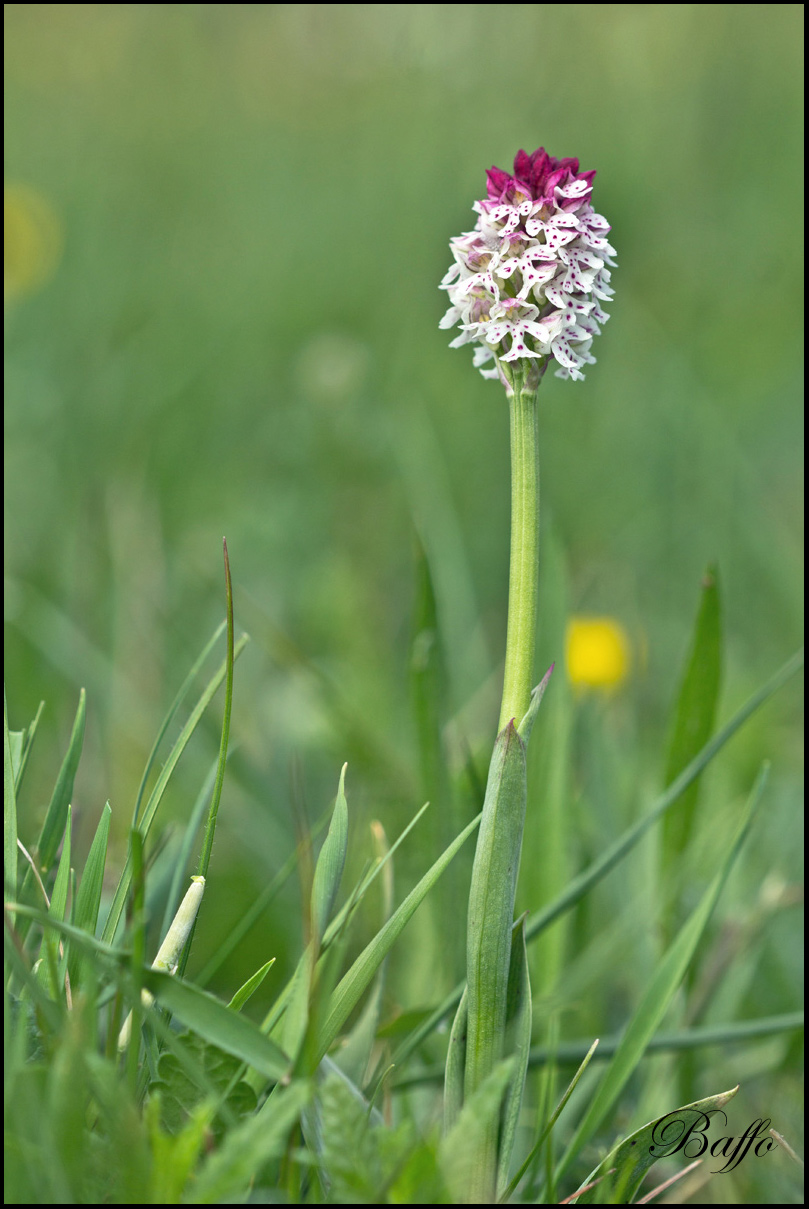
column 623, row 1170
column 49, row 972
column 228, row 1172
column 217, row 1023
column 250, row 987
column 695, row 712
column 172, row 711
column 330, row 863
column 454, row 1067
column 210, row 826
column 461, row 1149
column 489, row 932
column 349, row 991
column 28, row 737
column 156, row 796
column 88, row 898
column 180, row 1094
column 668, row 975
column 54, row 826
column 518, row 1044
column 354, row 1059
column 9, row 812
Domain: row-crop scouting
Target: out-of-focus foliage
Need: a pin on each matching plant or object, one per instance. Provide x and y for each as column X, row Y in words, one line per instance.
column 225, row 230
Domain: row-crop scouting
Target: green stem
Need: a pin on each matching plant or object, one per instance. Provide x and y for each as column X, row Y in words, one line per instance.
column 524, row 567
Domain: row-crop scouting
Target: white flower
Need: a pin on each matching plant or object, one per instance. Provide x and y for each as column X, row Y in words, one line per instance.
column 528, row 281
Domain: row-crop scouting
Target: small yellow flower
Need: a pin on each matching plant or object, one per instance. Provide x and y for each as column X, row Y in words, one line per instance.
column 32, row 241
column 597, row 653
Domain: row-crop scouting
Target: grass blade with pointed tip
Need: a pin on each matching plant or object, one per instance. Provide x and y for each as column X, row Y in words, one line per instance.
column 668, row 975
column 88, row 897
column 352, row 986
column 49, row 948
column 28, row 742
column 171, row 714
column 54, row 826
column 330, row 863
column 122, row 889
column 250, row 987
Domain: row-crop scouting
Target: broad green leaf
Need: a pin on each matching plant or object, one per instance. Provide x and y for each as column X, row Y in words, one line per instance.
column 623, row 1170
column 353, row 985
column 489, row 933
column 54, row 826
column 462, row 1150
column 88, row 897
column 180, row 1094
column 9, row 812
column 518, row 1045
column 216, row 1023
column 250, row 987
column 668, row 975
column 156, row 796
column 227, row 1173
column 330, row 863
column 695, row 713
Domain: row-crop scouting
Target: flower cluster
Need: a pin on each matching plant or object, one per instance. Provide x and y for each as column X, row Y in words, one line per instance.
column 530, row 280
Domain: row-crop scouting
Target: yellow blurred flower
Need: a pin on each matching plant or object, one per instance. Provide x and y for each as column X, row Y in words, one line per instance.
column 597, row 653
column 32, row 241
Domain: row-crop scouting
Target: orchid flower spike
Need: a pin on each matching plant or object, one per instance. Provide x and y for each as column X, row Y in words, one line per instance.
column 530, row 282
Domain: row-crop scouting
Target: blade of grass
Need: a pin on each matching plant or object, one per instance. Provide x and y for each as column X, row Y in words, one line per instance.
column 119, row 898
column 54, row 826
column 9, row 813
column 554, row 1117
column 28, row 743
column 250, row 987
column 49, row 948
column 88, row 898
column 172, row 712
column 210, row 828
column 352, row 986
column 330, row 864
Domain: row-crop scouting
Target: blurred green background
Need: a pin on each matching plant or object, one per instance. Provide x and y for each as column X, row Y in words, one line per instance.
column 225, row 230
